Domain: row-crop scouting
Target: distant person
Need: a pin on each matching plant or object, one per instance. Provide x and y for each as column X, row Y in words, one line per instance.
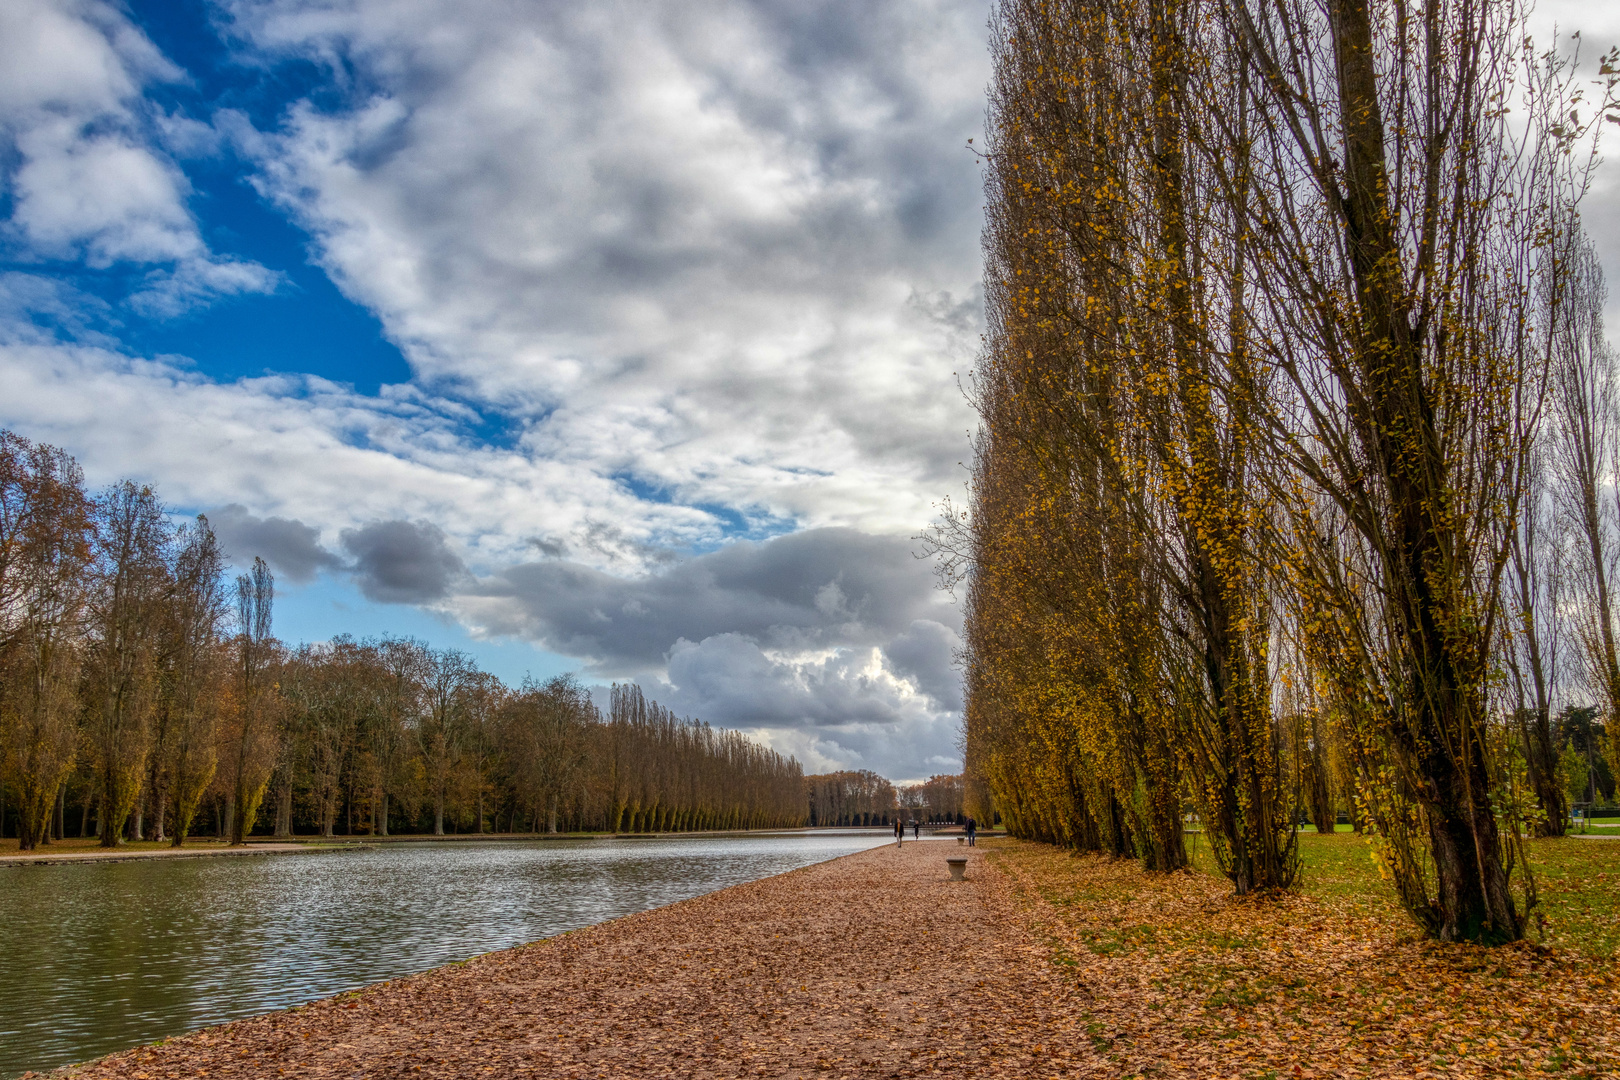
column 899, row 832
column 916, row 829
column 972, row 831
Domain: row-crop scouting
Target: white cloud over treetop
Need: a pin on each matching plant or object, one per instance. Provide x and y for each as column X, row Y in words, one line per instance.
column 705, row 270
column 665, row 274
column 830, row 643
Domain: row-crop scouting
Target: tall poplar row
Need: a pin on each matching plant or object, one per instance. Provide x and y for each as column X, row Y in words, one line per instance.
column 1279, row 301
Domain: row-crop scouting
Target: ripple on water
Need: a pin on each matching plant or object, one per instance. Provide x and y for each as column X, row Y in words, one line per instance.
column 102, row 956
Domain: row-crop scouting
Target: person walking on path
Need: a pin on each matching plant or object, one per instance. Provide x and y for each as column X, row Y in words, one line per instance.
column 916, row 829
column 899, row 832
column 972, row 831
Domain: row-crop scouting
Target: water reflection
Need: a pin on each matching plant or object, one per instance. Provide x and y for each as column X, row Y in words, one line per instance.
column 101, row 956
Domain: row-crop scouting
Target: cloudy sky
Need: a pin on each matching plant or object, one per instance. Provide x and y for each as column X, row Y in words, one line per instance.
column 616, row 338
column 619, row 338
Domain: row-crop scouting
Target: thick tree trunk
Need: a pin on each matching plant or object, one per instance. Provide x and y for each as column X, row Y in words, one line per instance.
column 1541, row 762
column 1475, row 903
column 1119, row 837
column 1426, row 561
column 284, row 800
column 1323, row 816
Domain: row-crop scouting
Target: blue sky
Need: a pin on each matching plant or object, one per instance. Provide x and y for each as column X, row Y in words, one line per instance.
column 618, row 338
column 305, row 324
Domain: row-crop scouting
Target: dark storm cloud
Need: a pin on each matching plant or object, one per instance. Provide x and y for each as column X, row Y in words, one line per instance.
column 832, row 641
column 292, row 548
column 730, row 679
column 926, row 654
column 402, row 562
column 821, row 588
column 833, row 711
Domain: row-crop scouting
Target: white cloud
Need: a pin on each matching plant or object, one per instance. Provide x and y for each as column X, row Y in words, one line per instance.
column 98, row 197
column 86, row 181
column 305, row 448
column 82, row 57
column 696, row 260
column 730, row 249
column 194, row 281
column 699, row 262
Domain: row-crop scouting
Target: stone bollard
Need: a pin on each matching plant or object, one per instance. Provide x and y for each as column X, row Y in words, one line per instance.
column 960, row 840
column 958, row 868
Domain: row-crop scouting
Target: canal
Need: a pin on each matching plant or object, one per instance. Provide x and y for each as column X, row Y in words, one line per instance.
column 102, row 956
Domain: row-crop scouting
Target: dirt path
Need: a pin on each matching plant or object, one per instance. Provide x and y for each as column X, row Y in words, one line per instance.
column 874, row 965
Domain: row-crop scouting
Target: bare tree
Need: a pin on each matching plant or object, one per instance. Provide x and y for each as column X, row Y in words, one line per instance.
column 483, row 700
column 1586, row 466
column 403, row 671
column 331, row 688
column 851, row 797
column 251, row 735
column 441, row 728
column 130, row 579
column 1532, row 641
column 193, row 680
column 44, row 551
column 1403, row 221
column 546, row 731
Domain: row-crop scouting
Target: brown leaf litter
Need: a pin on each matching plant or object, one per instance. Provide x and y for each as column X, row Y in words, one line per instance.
column 876, row 965
column 873, row 965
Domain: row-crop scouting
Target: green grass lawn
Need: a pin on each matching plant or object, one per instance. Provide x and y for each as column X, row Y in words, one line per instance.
column 1578, row 881
column 1332, row 978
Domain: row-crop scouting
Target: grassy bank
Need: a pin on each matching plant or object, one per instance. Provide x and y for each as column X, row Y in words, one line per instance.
column 76, row 844
column 1332, row 980
column 8, row 846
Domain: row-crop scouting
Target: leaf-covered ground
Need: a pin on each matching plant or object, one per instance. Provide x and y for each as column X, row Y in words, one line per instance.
column 874, row 965
column 1179, row 978
column 1043, row 964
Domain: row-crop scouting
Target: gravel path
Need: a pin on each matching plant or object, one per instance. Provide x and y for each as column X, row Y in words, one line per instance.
column 873, row 965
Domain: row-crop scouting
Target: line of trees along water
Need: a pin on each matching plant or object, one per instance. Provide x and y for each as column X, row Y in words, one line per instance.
column 144, row 696
column 862, row 797
column 1296, row 483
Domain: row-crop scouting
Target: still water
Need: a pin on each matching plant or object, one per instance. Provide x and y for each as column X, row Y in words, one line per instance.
column 97, row 957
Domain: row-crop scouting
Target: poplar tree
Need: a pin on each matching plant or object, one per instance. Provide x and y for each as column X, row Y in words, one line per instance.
column 1275, row 290
column 128, row 580
column 45, row 530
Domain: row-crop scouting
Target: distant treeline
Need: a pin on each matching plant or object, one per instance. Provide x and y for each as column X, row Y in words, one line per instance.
column 143, row 696
column 862, row 797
